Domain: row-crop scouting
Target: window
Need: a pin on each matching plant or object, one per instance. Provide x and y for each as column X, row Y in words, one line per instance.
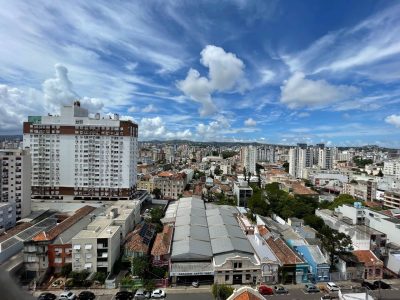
column 227, row 277
column 239, row 265
column 58, row 260
column 234, row 265
column 88, row 256
column 377, row 272
column 248, row 276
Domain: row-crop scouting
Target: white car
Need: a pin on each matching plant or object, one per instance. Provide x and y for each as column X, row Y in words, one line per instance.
column 68, row 295
column 158, row 293
column 331, row 286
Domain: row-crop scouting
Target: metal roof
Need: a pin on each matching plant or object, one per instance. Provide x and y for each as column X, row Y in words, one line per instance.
column 190, row 249
column 191, row 231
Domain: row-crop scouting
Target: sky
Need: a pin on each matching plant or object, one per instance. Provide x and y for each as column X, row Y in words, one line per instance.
column 267, row 71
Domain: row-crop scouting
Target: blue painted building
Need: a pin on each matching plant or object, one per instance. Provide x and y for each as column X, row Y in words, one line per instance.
column 318, row 264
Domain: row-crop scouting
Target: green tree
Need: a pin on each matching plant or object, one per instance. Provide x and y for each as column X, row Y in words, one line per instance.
column 257, row 203
column 100, row 277
column 221, row 291
column 140, row 266
column 157, row 193
column 66, row 269
column 380, row 174
column 334, row 242
column 314, row 221
column 226, row 154
column 341, row 200
column 244, row 173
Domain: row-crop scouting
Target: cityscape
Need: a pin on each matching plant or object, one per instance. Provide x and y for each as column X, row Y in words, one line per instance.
column 198, row 150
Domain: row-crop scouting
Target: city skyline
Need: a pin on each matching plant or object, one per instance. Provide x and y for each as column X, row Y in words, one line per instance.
column 269, row 72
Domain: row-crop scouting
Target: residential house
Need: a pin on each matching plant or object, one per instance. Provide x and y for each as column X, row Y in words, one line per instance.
column 319, row 267
column 161, row 250
column 138, row 241
column 348, row 267
column 373, row 265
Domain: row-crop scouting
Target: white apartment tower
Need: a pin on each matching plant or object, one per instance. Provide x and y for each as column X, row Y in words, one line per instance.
column 15, row 180
column 249, row 157
column 325, row 158
column 80, row 157
column 300, row 157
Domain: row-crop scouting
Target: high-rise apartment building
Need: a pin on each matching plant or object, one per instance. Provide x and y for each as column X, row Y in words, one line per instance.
column 15, row 180
column 325, row 158
column 300, row 158
column 249, row 156
column 76, row 156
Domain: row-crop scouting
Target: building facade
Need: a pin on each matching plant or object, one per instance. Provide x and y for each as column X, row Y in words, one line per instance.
column 79, row 157
column 7, row 216
column 15, row 180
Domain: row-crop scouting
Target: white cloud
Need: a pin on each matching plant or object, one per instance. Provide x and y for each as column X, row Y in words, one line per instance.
column 266, row 76
column 155, row 128
column 149, row 109
column 132, row 109
column 225, row 74
column 58, row 91
column 299, row 91
column 303, row 114
column 364, row 49
column 250, row 122
column 393, row 120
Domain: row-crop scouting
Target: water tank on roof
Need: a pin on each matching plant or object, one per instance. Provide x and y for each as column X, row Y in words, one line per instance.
column 357, row 204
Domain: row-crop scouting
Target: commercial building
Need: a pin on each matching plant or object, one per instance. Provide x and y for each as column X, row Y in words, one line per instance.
column 79, row 157
column 15, row 180
column 319, row 266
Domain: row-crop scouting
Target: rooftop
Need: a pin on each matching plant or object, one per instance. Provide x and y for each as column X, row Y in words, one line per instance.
column 367, row 256
column 64, row 225
column 283, row 252
column 162, row 244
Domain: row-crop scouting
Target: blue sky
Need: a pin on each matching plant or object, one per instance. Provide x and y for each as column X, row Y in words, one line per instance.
column 267, row 71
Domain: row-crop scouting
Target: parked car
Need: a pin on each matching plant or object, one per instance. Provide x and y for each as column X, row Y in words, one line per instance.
column 327, row 297
column 158, row 293
column 381, row 284
column 124, row 295
column 67, row 295
column 140, row 294
column 280, row 290
column 311, row 288
column 265, row 290
column 86, row 295
column 47, row 296
column 147, row 294
column 195, row 283
column 368, row 285
column 332, row 287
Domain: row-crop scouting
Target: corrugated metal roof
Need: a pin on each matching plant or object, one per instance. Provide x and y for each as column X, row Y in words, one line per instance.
column 190, row 249
column 191, row 231
column 225, row 230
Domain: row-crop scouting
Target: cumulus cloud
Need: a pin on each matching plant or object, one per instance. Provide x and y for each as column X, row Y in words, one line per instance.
column 214, row 128
column 154, row 128
column 225, row 74
column 58, row 91
column 298, row 91
column 250, row 122
column 149, row 109
column 393, row 120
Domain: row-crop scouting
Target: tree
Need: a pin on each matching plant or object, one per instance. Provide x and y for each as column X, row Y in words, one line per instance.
column 221, row 291
column 140, row 266
column 157, row 193
column 314, row 221
column 66, row 269
column 100, row 277
column 244, row 173
column 257, row 203
column 226, row 154
column 334, row 242
column 248, row 177
column 341, row 200
column 156, row 214
column 380, row 174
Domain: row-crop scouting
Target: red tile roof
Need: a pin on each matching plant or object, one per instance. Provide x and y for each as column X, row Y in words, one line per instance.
column 135, row 242
column 262, row 230
column 300, row 189
column 64, row 225
column 162, row 244
column 367, row 257
column 283, row 251
column 246, row 293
